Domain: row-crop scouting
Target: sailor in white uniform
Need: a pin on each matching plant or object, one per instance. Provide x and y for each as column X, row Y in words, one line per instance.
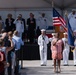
column 66, row 50
column 42, row 42
column 43, row 22
column 19, row 26
column 72, row 19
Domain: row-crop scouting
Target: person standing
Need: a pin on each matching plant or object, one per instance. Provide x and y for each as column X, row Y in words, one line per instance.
column 10, row 55
column 74, row 53
column 50, row 40
column 19, row 26
column 23, row 34
column 10, row 26
column 43, row 22
column 57, row 48
column 42, row 42
column 66, row 50
column 4, row 49
column 18, row 44
column 72, row 21
column 31, row 22
column 38, row 32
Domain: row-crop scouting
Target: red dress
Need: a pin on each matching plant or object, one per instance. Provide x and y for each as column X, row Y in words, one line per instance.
column 56, row 49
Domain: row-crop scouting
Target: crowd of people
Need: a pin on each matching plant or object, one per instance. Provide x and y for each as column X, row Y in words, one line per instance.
column 59, row 46
column 10, row 44
column 59, row 49
column 11, row 41
column 26, row 28
column 12, row 34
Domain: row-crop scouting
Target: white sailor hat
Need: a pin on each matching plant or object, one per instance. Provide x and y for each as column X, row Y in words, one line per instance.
column 43, row 30
column 65, row 33
column 53, row 34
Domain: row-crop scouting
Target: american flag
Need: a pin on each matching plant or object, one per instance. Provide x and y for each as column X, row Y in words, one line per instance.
column 58, row 20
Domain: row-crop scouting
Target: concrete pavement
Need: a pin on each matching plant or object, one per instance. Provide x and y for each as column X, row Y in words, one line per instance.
column 34, row 68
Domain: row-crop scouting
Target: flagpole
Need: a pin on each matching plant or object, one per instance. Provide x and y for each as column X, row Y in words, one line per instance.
column 52, row 3
column 66, row 16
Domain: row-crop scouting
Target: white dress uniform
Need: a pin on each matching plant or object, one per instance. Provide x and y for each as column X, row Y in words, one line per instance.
column 65, row 51
column 19, row 27
column 43, row 23
column 74, row 53
column 42, row 42
column 72, row 21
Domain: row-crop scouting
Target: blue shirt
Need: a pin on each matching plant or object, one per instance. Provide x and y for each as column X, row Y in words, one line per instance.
column 18, row 42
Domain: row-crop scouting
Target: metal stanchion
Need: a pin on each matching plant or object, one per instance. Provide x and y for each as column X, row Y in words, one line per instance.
column 21, row 57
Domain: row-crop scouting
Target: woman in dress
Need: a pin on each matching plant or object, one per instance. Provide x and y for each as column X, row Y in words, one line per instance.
column 57, row 48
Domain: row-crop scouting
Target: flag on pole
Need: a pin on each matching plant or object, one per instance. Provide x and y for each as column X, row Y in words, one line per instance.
column 58, row 20
column 70, row 35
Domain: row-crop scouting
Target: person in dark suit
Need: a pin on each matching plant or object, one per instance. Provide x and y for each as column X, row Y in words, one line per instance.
column 31, row 22
column 38, row 31
column 10, row 26
column 23, row 34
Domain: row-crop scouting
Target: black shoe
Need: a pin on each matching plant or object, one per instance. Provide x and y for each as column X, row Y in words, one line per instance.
column 74, row 65
column 42, row 64
column 65, row 65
